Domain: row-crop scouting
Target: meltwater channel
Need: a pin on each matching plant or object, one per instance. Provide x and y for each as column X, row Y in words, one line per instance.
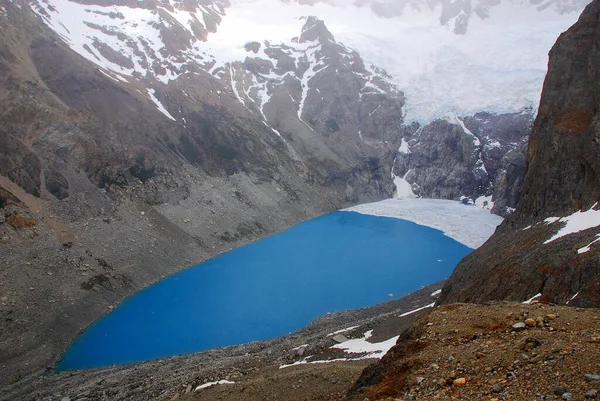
column 270, row 288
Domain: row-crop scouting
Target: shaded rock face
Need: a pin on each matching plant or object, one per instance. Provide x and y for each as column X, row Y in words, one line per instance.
column 563, row 163
column 478, row 159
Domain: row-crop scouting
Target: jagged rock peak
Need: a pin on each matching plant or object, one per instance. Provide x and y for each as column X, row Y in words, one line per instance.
column 315, row 29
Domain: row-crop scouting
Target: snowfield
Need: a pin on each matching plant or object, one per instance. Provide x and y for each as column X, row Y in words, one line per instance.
column 467, row 224
column 497, row 66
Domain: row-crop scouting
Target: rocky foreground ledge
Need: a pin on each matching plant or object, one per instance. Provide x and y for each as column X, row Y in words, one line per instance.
column 502, row 351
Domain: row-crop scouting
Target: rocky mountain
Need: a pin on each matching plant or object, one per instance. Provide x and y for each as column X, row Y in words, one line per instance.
column 111, row 182
column 135, row 141
column 478, row 159
column 548, row 248
column 546, row 252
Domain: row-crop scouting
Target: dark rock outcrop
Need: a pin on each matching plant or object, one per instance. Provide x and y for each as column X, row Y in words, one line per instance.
column 562, row 177
column 477, row 159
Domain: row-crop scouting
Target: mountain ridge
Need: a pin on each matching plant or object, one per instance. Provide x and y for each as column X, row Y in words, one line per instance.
column 540, row 249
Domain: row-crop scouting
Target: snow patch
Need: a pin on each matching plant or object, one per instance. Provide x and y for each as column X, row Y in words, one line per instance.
column 576, row 222
column 159, row 105
column 454, row 119
column 361, row 346
column 404, row 149
column 573, row 297
column 431, row 305
column 210, row 384
column 466, row 224
column 436, row 293
column 530, row 300
column 403, row 188
column 342, row 331
column 353, row 346
column 588, row 246
column 485, row 202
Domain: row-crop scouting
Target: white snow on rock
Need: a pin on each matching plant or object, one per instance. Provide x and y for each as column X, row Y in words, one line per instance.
column 533, row 298
column 436, row 293
column 437, row 70
column 361, row 346
column 573, row 297
column 353, row 347
column 159, row 105
column 404, row 147
column 576, row 222
column 342, row 331
column 485, row 202
column 403, row 188
column 588, row 246
column 210, row 384
column 431, row 305
column 467, row 224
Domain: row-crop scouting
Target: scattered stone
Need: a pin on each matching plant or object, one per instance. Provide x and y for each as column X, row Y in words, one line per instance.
column 591, row 394
column 189, row 386
column 340, row 338
column 591, row 378
column 559, row 390
column 551, row 316
column 530, row 322
column 65, row 399
column 420, row 379
column 567, row 396
column 461, row 381
column 453, row 375
column 497, row 389
column 518, row 326
column 534, row 342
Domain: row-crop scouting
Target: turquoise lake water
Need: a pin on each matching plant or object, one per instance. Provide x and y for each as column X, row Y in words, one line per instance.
column 272, row 287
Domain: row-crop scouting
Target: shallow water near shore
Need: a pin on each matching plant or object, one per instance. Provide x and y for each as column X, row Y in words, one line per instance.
column 343, row 260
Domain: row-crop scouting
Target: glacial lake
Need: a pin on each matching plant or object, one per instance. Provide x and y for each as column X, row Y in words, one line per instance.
column 270, row 288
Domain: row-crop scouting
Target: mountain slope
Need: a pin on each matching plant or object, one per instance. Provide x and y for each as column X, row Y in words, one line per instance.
column 549, row 245
column 102, row 193
column 133, row 145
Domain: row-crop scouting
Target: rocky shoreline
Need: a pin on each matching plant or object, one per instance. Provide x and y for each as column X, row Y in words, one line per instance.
column 163, row 379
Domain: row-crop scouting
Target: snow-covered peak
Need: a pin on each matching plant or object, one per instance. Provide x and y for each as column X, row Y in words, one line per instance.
column 464, row 56
column 498, row 64
column 315, row 30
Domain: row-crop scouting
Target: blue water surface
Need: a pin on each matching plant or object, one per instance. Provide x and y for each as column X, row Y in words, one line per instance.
column 270, row 288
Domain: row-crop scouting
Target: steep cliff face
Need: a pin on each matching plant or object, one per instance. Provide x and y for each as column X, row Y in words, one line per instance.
column 478, row 159
column 549, row 245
